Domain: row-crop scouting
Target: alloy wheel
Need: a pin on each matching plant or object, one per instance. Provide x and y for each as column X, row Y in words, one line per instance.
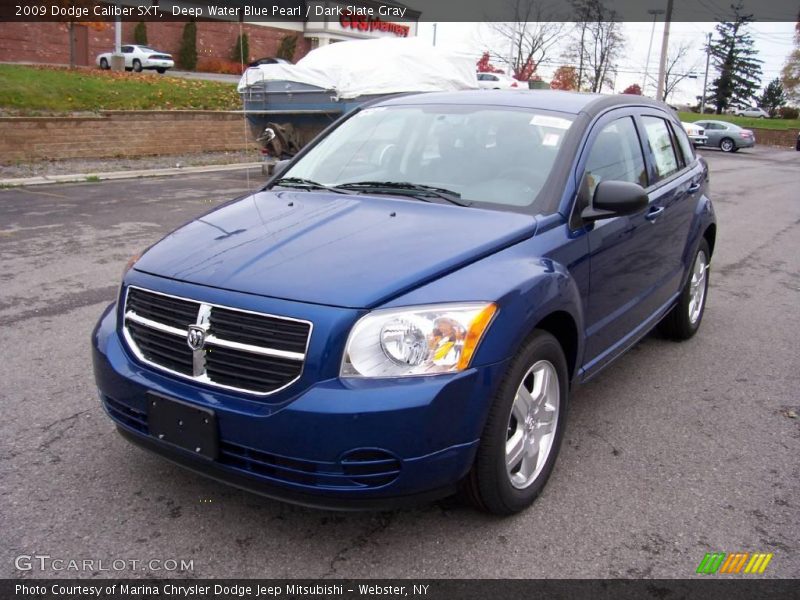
column 532, row 424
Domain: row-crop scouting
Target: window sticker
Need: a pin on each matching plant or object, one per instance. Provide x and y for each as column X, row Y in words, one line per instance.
column 551, row 139
column 548, row 121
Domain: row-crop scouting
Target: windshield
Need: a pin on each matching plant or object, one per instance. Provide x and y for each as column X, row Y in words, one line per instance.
column 491, row 155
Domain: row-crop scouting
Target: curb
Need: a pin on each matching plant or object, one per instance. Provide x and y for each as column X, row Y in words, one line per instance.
column 113, row 175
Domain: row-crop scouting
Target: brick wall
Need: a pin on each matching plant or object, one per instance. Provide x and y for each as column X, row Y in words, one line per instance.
column 775, row 137
column 49, row 42
column 121, row 133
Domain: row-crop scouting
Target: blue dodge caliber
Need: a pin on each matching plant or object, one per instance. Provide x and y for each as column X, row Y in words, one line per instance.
column 401, row 312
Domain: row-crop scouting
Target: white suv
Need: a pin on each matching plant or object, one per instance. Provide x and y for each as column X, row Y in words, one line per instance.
column 138, row 58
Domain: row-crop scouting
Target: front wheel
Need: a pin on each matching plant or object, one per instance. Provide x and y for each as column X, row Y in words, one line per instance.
column 137, row 65
column 727, row 145
column 523, row 431
column 684, row 319
column 104, row 64
column 161, row 70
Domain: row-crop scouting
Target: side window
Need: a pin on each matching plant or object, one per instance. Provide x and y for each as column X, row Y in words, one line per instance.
column 127, row 49
column 615, row 156
column 686, row 146
column 660, row 142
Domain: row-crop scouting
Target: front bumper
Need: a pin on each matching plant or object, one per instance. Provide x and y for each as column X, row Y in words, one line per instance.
column 419, row 434
column 699, row 140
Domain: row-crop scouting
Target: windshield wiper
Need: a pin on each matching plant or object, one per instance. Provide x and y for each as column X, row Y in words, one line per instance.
column 419, row 189
column 308, row 184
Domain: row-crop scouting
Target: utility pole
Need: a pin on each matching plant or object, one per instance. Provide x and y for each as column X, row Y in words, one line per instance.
column 434, row 33
column 655, row 12
column 662, row 65
column 705, row 79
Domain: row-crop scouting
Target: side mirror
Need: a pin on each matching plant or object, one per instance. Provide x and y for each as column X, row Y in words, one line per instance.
column 279, row 167
column 614, row 199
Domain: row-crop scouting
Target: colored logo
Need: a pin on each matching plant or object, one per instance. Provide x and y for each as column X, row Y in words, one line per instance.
column 734, row 562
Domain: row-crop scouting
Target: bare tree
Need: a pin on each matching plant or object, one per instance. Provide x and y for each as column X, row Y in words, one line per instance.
column 676, row 70
column 597, row 43
column 531, row 35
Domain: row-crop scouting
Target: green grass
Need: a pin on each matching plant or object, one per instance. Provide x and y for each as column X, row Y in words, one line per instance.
column 31, row 90
column 748, row 122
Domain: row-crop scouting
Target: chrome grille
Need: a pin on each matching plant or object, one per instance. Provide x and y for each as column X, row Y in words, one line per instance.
column 239, row 350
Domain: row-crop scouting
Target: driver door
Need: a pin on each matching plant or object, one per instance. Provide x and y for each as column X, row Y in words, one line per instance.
column 624, row 261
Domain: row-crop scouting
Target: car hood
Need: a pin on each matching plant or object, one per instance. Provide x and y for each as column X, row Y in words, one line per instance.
column 334, row 249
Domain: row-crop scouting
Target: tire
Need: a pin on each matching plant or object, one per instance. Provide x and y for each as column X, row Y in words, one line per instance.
column 493, row 486
column 683, row 321
column 104, row 64
column 727, row 145
column 137, row 65
column 161, row 70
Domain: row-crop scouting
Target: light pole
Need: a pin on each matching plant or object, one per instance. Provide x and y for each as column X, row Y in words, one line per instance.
column 662, row 63
column 655, row 12
column 705, row 78
column 434, row 33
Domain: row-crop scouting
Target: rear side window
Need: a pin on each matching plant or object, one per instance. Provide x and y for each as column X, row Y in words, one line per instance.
column 616, row 155
column 685, row 145
column 660, row 142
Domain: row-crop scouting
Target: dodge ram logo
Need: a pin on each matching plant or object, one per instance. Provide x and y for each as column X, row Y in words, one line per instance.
column 196, row 337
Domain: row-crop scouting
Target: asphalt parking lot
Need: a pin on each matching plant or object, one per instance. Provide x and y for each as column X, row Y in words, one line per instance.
column 675, row 451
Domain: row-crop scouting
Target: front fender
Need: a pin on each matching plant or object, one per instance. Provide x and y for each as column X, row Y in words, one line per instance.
column 527, row 288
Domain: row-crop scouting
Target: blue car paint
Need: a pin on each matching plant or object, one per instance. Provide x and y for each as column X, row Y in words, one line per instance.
column 534, row 268
column 255, row 245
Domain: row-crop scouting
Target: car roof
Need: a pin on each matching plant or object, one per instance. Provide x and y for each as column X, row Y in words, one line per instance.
column 555, row 100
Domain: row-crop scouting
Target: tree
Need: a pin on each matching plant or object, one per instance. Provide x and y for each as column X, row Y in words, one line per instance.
column 735, row 60
column 241, row 49
column 565, row 78
column 633, row 89
column 790, row 74
column 597, row 43
column 140, row 33
column 531, row 35
column 287, row 47
column 772, row 98
column 675, row 70
column 187, row 53
column 485, row 66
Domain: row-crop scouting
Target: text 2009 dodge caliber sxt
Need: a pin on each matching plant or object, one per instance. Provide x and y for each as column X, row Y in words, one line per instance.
column 401, row 312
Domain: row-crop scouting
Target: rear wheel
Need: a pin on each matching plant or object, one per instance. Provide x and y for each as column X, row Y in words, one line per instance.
column 684, row 319
column 104, row 64
column 137, row 65
column 727, row 145
column 161, row 70
column 523, row 431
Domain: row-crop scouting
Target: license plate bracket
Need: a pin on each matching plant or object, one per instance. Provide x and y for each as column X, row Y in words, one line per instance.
column 184, row 425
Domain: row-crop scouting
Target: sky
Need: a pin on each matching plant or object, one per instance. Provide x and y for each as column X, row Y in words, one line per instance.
column 773, row 41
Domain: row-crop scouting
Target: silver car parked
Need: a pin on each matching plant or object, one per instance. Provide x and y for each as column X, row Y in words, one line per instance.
column 727, row 136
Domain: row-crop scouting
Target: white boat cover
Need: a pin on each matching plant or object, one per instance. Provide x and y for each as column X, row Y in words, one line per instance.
column 381, row 66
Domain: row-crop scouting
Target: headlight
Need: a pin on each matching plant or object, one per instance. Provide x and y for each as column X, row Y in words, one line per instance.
column 423, row 340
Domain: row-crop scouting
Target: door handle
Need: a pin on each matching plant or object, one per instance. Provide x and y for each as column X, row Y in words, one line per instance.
column 654, row 213
column 694, row 187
